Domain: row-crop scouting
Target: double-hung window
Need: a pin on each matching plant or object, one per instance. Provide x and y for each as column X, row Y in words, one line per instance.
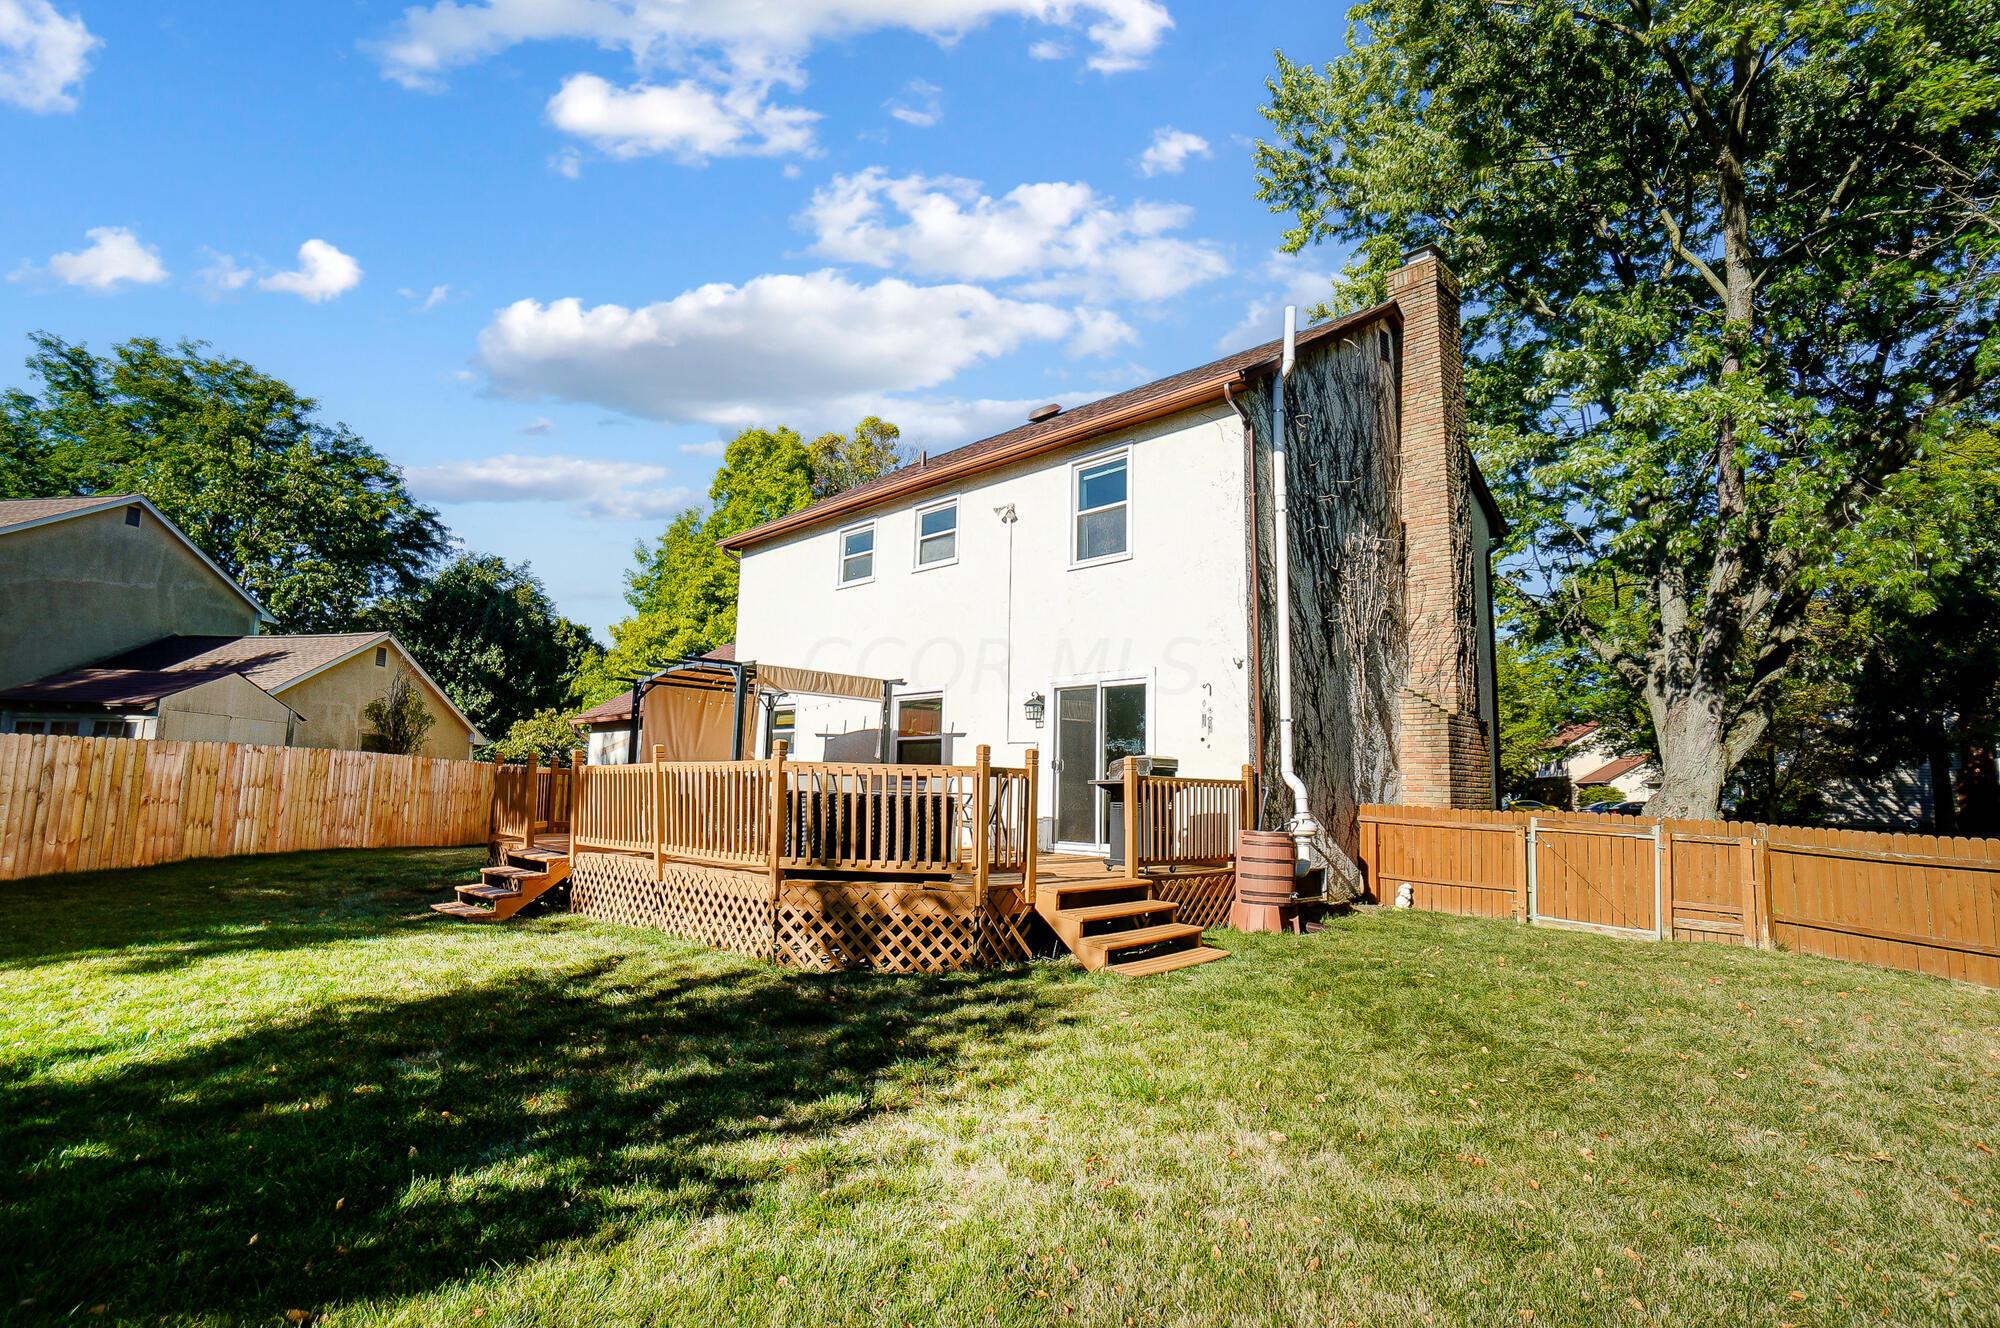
column 857, row 555
column 937, row 534
column 1102, row 510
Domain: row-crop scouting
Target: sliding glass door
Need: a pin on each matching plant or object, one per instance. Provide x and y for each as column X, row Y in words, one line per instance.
column 1097, row 725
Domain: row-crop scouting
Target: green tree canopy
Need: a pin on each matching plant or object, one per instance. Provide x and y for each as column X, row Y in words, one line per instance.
column 682, row 588
column 545, row 735
column 1730, row 268
column 487, row 631
column 310, row 519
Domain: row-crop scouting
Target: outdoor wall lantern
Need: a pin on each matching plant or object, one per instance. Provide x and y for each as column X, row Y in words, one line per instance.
column 1034, row 707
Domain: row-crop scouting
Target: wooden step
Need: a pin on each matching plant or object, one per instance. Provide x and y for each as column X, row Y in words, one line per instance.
column 459, row 909
column 1130, row 908
column 1141, row 937
column 488, row 891
column 1166, row 963
column 509, row 873
column 537, row 854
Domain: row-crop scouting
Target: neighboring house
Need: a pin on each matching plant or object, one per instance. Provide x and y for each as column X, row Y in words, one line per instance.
column 1100, row 582
column 85, row 578
column 113, row 624
column 186, row 686
column 1580, row 754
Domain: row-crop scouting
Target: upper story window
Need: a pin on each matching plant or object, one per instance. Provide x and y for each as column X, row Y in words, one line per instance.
column 1102, row 510
column 857, row 555
column 381, row 657
column 937, row 535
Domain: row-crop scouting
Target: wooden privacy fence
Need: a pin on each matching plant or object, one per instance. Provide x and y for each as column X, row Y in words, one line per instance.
column 1918, row 902
column 84, row 804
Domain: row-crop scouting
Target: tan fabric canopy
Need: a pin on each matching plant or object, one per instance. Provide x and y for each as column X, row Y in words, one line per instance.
column 818, row 682
column 691, row 722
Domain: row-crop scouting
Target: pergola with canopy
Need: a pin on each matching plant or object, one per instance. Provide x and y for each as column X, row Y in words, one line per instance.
column 706, row 709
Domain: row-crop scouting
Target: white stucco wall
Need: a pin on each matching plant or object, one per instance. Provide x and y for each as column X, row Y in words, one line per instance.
column 1171, row 614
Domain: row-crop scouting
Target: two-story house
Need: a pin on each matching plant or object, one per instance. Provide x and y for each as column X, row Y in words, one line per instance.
column 113, row 623
column 1104, row 581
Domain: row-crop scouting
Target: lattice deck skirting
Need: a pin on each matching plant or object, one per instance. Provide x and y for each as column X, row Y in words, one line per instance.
column 730, row 910
column 818, row 925
column 1204, row 896
column 896, row 927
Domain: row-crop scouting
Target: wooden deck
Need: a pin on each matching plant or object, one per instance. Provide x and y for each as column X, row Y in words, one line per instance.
column 897, row 867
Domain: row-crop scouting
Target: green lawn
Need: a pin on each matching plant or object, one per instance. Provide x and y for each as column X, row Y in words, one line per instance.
column 244, row 1091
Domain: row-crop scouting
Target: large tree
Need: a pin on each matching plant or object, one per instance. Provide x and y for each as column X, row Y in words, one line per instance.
column 302, row 512
column 1729, row 268
column 488, row 632
column 682, row 588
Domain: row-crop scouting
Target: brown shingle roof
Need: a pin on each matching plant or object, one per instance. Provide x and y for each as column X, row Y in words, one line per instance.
column 173, row 664
column 1622, row 766
column 1574, row 733
column 1177, row 391
column 27, row 511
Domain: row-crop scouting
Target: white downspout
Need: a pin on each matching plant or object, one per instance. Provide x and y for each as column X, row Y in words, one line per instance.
column 1302, row 826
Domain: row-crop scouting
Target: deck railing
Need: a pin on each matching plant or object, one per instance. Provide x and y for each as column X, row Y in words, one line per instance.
column 814, row 815
column 1175, row 822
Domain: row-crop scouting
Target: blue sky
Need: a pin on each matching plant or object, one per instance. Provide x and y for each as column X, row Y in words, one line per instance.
column 547, row 254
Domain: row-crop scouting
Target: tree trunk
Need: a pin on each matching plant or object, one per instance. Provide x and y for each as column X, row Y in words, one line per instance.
column 1944, row 801
column 1695, row 759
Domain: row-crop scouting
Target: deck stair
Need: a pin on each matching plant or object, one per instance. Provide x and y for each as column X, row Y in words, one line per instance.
column 522, row 876
column 1117, row 925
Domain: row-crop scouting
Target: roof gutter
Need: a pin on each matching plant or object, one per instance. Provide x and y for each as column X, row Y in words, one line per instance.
column 938, row 473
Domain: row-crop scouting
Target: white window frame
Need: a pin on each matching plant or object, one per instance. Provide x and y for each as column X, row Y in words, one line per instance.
column 942, row 737
column 1077, row 511
column 841, row 555
column 917, row 563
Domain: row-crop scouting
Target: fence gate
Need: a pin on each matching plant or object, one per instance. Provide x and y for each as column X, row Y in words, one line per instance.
column 1601, row 878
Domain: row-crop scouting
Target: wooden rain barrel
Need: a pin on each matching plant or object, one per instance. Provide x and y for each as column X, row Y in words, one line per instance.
column 1264, row 861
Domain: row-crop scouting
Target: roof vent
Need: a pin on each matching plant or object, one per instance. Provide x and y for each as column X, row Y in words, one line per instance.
column 1048, row 412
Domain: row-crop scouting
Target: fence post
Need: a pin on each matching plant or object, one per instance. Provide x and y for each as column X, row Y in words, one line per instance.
column 982, row 811
column 1534, row 853
column 1247, row 811
column 1032, row 821
column 578, row 760
column 1133, row 862
column 1750, row 871
column 1663, row 886
column 1523, row 905
column 659, row 815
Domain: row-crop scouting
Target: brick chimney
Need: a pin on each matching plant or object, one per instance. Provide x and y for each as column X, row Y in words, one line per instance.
column 1442, row 746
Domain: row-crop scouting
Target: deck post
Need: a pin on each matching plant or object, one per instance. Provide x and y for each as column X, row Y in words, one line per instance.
column 659, row 815
column 1247, row 812
column 982, row 813
column 775, row 831
column 1132, row 860
column 534, row 800
column 1033, row 821
column 578, row 760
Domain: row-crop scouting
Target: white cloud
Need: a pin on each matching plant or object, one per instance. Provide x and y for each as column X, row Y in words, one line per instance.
column 615, row 490
column 809, row 350
column 1169, row 151
column 323, row 273
column 430, row 40
column 568, row 163
column 686, row 119
column 1063, row 238
column 729, row 56
column 538, row 427
column 1099, row 332
column 223, row 274
column 921, row 104
column 1047, row 50
column 714, row 447
column 44, row 55
column 1287, row 279
column 113, row 258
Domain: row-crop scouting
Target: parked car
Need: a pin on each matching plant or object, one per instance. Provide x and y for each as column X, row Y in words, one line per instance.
column 1619, row 808
column 1525, row 805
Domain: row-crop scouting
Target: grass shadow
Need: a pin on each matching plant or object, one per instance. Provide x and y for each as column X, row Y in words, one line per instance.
column 389, row 1144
